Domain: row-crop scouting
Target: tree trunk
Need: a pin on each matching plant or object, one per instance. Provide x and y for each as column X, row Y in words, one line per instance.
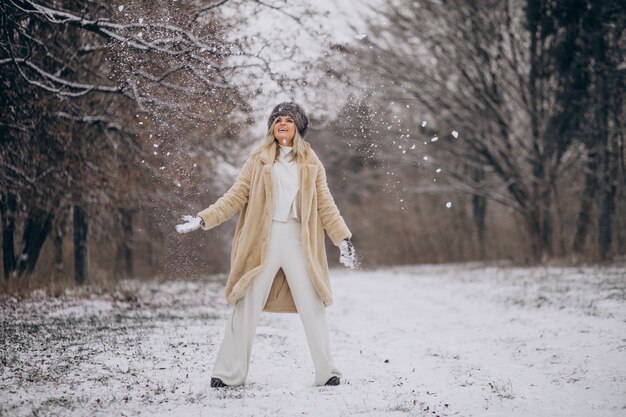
column 36, row 229
column 560, row 219
column 59, row 234
column 607, row 188
column 547, row 228
column 81, row 253
column 540, row 222
column 479, row 212
column 536, row 224
column 606, row 206
column 127, row 241
column 586, row 201
column 8, row 206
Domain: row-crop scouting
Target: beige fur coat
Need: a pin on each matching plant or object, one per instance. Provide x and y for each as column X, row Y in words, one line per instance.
column 253, row 194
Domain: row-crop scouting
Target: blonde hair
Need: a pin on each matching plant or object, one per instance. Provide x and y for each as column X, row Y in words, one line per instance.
column 300, row 147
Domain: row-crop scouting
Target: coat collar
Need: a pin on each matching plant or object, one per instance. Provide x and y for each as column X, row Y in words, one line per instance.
column 267, row 156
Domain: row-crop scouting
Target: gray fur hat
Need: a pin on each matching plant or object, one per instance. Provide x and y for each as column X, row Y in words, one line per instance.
column 289, row 108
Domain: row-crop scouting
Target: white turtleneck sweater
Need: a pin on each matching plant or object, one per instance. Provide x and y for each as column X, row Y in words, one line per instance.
column 285, row 186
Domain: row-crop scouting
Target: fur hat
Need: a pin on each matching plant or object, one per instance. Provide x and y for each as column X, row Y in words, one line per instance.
column 289, row 108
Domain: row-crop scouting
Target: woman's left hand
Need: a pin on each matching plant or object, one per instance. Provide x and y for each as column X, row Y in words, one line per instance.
column 347, row 254
column 191, row 223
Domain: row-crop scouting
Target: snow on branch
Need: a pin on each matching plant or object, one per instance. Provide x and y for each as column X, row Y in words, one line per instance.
column 177, row 59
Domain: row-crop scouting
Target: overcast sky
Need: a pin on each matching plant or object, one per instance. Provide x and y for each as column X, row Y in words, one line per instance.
column 332, row 22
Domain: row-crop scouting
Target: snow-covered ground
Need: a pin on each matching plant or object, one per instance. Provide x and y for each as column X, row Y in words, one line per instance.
column 446, row 340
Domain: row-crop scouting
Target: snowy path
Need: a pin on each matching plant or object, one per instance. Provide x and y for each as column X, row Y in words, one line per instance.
column 448, row 340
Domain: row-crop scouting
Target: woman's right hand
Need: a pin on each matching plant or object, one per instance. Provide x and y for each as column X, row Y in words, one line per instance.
column 191, row 223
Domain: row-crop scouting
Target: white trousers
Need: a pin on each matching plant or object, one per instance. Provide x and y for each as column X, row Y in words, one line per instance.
column 285, row 250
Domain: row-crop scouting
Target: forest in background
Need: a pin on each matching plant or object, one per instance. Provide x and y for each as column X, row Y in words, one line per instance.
column 449, row 131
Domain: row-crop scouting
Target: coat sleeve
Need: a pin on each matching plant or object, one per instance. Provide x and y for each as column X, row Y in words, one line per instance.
column 232, row 201
column 328, row 211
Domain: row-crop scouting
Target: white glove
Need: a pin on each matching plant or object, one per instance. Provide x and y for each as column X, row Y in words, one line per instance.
column 192, row 223
column 347, row 254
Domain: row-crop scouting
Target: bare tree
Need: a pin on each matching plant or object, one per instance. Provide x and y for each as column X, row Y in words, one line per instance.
column 92, row 93
column 507, row 77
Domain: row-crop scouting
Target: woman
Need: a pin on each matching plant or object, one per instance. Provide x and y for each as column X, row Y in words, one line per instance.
column 278, row 258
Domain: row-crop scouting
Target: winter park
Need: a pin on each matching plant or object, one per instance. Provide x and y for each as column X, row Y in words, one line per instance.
column 313, row 208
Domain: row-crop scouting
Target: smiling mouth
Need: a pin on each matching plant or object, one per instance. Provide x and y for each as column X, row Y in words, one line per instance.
column 282, row 130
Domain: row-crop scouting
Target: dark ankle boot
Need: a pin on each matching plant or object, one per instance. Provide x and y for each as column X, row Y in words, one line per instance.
column 334, row 380
column 217, row 383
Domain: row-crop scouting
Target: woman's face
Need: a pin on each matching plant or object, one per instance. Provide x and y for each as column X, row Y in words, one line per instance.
column 285, row 130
